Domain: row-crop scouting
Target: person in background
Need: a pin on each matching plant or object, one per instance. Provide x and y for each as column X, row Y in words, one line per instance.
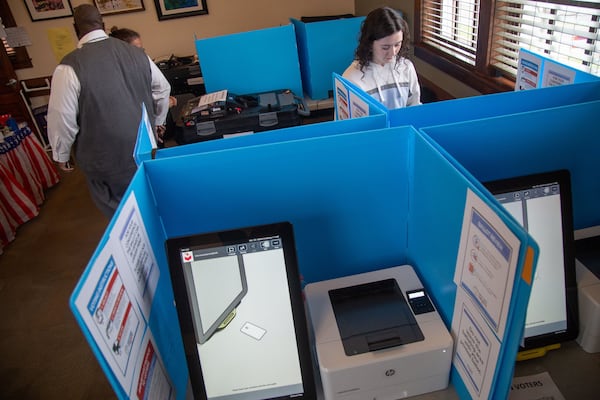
column 381, row 66
column 132, row 37
column 95, row 107
column 127, row 35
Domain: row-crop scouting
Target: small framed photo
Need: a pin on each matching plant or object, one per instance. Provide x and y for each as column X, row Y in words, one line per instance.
column 109, row 7
column 40, row 10
column 169, row 9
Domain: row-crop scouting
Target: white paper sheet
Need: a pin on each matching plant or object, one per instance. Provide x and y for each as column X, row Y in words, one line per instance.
column 534, row 387
column 487, row 261
column 131, row 248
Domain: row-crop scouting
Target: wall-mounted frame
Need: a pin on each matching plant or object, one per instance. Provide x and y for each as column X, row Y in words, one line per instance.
column 108, row 7
column 169, row 9
column 40, row 10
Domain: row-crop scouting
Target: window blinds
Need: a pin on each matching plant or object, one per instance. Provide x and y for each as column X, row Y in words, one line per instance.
column 451, row 26
column 565, row 31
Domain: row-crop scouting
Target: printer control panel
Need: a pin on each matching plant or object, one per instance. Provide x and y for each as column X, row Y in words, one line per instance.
column 419, row 301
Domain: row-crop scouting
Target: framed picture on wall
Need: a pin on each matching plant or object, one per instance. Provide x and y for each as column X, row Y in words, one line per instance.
column 107, row 7
column 169, row 9
column 48, row 9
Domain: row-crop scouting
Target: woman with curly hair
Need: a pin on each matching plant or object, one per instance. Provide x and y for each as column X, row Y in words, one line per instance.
column 381, row 66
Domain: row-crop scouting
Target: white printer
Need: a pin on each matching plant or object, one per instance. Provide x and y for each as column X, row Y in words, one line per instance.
column 587, row 268
column 378, row 336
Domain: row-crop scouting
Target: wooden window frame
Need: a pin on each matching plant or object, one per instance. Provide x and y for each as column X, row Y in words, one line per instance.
column 480, row 77
column 483, row 76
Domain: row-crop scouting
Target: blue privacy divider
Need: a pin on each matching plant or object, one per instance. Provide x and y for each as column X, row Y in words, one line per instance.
column 433, row 242
column 251, row 62
column 162, row 323
column 325, row 47
column 336, row 191
column 530, row 142
column 145, row 144
column 358, row 201
column 491, row 105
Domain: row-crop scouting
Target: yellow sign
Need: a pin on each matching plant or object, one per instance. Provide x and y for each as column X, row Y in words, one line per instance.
column 61, row 40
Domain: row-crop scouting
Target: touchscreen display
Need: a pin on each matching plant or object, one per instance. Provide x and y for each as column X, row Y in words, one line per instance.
column 242, row 295
column 541, row 203
column 215, row 283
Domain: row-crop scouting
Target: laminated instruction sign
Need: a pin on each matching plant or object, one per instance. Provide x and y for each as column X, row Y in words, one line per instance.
column 348, row 104
column 114, row 301
column 536, row 71
column 484, row 276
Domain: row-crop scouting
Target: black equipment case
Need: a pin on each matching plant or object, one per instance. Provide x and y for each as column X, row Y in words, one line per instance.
column 255, row 112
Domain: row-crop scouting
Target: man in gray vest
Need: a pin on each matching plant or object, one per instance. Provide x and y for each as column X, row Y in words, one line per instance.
column 95, row 107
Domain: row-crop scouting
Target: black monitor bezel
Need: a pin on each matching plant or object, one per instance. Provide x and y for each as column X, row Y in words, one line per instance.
column 223, row 238
column 562, row 177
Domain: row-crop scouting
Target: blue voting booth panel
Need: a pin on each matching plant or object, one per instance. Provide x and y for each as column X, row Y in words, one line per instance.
column 145, row 143
column 325, row 47
column 330, row 188
column 162, row 323
column 352, row 198
column 251, row 62
column 554, row 138
column 431, row 226
column 491, row 105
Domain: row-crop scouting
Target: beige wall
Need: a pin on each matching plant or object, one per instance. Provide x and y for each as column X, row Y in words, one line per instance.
column 406, row 6
column 163, row 38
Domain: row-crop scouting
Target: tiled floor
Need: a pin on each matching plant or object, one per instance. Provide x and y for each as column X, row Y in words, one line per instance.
column 43, row 354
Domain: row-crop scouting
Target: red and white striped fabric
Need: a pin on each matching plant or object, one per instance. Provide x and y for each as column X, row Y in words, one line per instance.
column 16, row 206
column 25, row 172
column 40, row 162
column 32, row 168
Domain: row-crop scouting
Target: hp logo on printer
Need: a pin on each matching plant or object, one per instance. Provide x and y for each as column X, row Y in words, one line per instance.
column 390, row 372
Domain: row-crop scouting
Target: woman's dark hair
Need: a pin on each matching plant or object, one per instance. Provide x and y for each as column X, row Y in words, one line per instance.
column 125, row 34
column 381, row 22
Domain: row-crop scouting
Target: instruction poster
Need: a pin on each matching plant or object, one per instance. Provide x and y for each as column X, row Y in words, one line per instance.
column 114, row 302
column 484, row 275
column 358, row 107
column 342, row 102
column 528, row 71
column 556, row 75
